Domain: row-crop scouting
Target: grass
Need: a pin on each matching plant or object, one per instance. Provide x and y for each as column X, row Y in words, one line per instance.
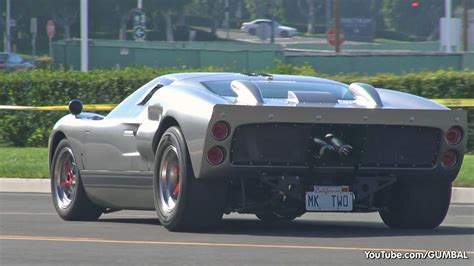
column 24, row 162
column 33, row 163
column 466, row 176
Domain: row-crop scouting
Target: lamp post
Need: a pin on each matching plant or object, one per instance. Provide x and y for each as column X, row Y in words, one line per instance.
column 465, row 22
column 447, row 10
column 337, row 25
column 8, row 47
column 84, row 36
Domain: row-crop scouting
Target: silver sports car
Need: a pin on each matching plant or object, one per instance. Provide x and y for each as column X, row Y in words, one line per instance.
column 194, row 146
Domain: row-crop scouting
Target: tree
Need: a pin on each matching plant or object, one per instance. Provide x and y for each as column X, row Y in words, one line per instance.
column 214, row 10
column 262, row 8
column 166, row 8
column 107, row 14
column 308, row 8
column 421, row 20
column 64, row 14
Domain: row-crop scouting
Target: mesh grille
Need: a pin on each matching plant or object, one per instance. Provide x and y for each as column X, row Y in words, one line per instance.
column 374, row 145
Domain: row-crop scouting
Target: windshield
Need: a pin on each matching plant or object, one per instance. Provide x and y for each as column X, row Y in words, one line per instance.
column 279, row 89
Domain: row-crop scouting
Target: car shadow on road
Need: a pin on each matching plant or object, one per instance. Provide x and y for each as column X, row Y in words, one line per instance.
column 145, row 221
column 330, row 229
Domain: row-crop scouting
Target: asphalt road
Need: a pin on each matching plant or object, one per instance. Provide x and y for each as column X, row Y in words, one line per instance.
column 31, row 233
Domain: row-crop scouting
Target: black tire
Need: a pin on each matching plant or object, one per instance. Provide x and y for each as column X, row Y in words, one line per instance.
column 284, row 34
column 417, row 206
column 73, row 205
column 252, row 31
column 199, row 204
column 272, row 217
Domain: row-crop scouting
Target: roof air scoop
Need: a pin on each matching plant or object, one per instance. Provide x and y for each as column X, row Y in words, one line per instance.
column 366, row 95
column 311, row 97
column 247, row 92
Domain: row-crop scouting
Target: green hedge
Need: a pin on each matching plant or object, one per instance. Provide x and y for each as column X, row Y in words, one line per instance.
column 47, row 87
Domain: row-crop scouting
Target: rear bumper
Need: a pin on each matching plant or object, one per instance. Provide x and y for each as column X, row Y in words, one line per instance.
column 236, row 116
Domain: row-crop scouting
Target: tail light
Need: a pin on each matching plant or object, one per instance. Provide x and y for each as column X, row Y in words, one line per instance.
column 215, row 155
column 449, row 159
column 453, row 135
column 220, row 130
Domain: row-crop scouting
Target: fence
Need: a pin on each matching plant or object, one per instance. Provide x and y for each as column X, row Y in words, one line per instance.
column 116, row 54
column 248, row 57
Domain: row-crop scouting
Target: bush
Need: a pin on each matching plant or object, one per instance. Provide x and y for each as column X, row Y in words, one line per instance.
column 47, row 87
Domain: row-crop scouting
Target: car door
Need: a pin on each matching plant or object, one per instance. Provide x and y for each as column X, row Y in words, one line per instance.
column 115, row 173
column 110, row 144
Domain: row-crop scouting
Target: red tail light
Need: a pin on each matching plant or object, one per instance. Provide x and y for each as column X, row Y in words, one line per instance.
column 220, row 130
column 449, row 159
column 215, row 155
column 454, row 135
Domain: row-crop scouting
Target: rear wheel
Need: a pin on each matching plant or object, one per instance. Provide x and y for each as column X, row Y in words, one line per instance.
column 284, row 34
column 421, row 205
column 183, row 202
column 69, row 197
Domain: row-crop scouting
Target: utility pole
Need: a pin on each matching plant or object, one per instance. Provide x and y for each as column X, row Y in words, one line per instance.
column 447, row 10
column 84, row 36
column 33, row 30
column 337, row 24
column 328, row 14
column 272, row 22
column 227, row 18
column 465, row 22
column 8, row 47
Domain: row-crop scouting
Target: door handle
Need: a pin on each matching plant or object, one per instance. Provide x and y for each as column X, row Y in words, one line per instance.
column 129, row 133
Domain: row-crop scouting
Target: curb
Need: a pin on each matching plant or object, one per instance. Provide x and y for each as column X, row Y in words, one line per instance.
column 462, row 195
column 32, row 185
column 459, row 194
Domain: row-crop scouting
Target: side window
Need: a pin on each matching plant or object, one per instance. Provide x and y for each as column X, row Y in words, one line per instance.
column 150, row 94
column 131, row 107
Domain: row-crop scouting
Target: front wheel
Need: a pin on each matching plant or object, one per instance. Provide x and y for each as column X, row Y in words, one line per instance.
column 183, row 202
column 420, row 205
column 69, row 197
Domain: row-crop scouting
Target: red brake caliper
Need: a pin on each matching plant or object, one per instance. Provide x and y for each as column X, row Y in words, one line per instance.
column 69, row 177
column 176, row 187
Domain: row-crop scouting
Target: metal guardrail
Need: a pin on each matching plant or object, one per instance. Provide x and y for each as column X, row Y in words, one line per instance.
column 108, row 107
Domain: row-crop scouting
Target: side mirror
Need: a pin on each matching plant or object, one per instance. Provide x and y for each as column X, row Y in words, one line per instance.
column 75, row 106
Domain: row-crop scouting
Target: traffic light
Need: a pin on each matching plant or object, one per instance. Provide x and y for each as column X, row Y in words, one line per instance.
column 414, row 8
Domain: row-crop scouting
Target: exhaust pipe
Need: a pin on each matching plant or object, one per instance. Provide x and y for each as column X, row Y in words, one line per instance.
column 331, row 146
column 344, row 150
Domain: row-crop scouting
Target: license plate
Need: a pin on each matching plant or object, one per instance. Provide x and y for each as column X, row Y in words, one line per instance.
column 329, row 198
